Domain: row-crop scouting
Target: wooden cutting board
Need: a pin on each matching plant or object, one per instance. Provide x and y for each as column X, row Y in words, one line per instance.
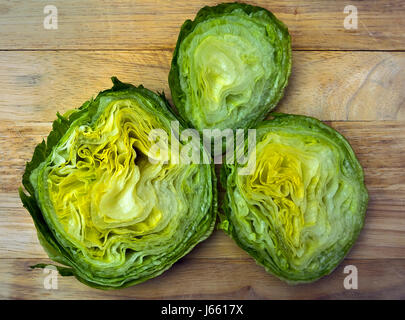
column 352, row 79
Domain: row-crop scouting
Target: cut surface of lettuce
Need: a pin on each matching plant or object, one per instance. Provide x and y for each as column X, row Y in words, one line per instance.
column 302, row 208
column 230, row 66
column 101, row 207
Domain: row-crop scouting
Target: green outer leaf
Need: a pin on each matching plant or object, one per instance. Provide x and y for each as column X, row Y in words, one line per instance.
column 292, row 122
column 46, row 235
column 207, row 12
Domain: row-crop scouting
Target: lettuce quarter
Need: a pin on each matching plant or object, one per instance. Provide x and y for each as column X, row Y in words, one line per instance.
column 230, row 66
column 302, row 208
column 102, row 209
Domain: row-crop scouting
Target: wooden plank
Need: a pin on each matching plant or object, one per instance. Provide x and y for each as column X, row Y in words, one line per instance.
column 336, row 86
column 326, row 85
column 383, row 237
column 360, row 93
column 347, row 86
column 379, row 146
column 145, row 24
column 213, row 279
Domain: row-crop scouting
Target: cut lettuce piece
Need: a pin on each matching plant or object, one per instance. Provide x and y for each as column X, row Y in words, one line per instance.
column 230, row 66
column 101, row 207
column 302, row 208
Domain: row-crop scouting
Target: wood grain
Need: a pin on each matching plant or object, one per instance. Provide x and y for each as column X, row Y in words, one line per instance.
column 359, row 90
column 154, row 24
column 36, row 84
column 327, row 85
column 213, row 279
